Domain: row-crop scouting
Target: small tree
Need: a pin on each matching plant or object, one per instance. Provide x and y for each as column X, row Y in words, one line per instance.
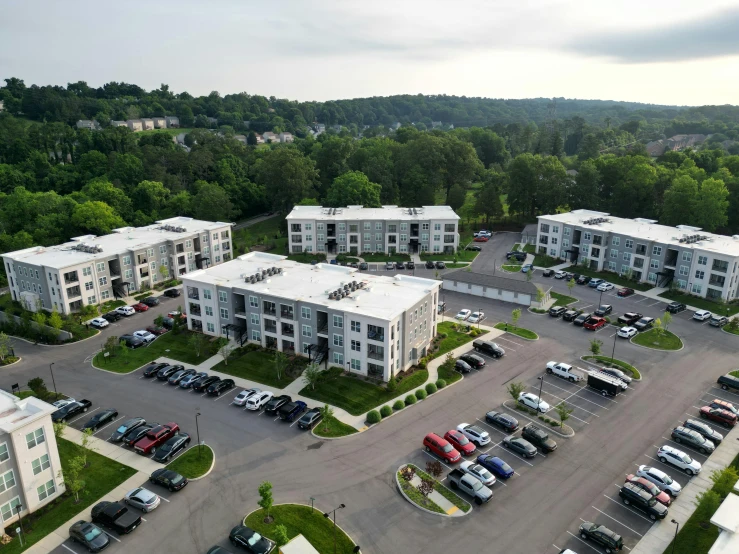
column 56, row 322
column 563, row 413
column 164, row 272
column 159, row 320
column 39, row 318
column 515, row 316
column 281, row 362
column 327, row 413
column 112, row 346
column 658, row 328
column 571, row 285
column 198, row 342
column 709, row 500
column 86, row 445
column 529, row 275
column 38, row 387
column 5, row 347
column 666, row 320
column 434, row 468
column 595, row 346
column 59, row 428
column 724, row 480
column 426, row 487
column 540, row 295
column 266, row 500
column 407, row 473
column 281, row 537
column 515, row 389
column 392, row 384
column 312, row 375
column 71, row 477
column 225, row 351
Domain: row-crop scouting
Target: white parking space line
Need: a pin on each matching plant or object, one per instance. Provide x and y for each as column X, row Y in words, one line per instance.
column 108, row 425
column 573, row 405
column 722, row 391
column 160, row 496
column 182, row 450
column 662, row 463
column 294, row 422
column 83, row 415
column 657, row 302
column 222, row 397
column 142, row 519
column 492, row 427
column 575, row 393
column 625, row 507
column 437, row 459
column 489, row 449
column 507, row 451
column 275, row 419
column 617, row 521
column 585, row 543
column 65, row 546
column 681, row 446
column 591, row 391
column 511, row 341
column 116, row 539
column 643, row 300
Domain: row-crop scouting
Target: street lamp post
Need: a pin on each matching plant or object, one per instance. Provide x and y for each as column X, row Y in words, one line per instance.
column 541, row 385
column 600, row 300
column 197, row 430
column 674, row 541
column 20, row 522
column 328, row 515
column 56, row 394
column 613, row 352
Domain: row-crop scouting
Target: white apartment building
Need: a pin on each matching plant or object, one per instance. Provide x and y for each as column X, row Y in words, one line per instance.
column 91, row 269
column 699, row 263
column 367, row 324
column 29, row 459
column 389, row 229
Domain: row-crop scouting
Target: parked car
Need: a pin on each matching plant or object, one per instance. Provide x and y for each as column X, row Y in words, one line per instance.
column 459, row 480
column 602, row 535
column 563, row 370
column 166, row 372
column 557, row 311
column 99, row 323
column 625, row 291
column 725, row 418
column 433, row 443
column 462, row 315
column 617, row 373
column 133, row 436
column 201, row 385
column 145, row 336
column 155, row 437
column 131, row 342
column 125, row 311
column 244, row 395
column 171, row 447
column 100, row 419
column 603, row 287
column 644, row 323
column 669, row 455
column 702, row 315
column 474, row 248
column 462, row 366
column 525, row 268
column 496, row 466
column 89, row 535
column 63, row 402
column 627, row 332
column 706, row 430
column 594, row 283
column 520, row 446
column 580, row 320
column 140, row 307
column 190, row 380
column 291, row 410
column 728, row 381
column 538, row 437
column 645, row 484
column 476, row 317
column 219, row 387
column 258, row 400
column 724, row 405
column 363, row 266
column 112, row 317
column 460, row 442
column 156, row 330
column 629, row 318
column 506, row 422
column 126, row 427
column 603, row 310
column 70, row 410
column 476, row 434
column 172, row 293
column 389, row 266
column 517, row 255
column 693, row 439
column 168, row 478
column 676, row 307
column 143, row 499
column 178, row 376
column 175, row 313
column 661, row 479
column 310, row 418
column 151, row 301
column 718, row 320
column 534, row 402
column 489, row 348
column 116, row 516
column 250, row 540
column 430, row 265
column 547, row 273
column 473, row 360
column 570, row 315
column 583, row 279
column 560, row 274
column 276, row 403
column 480, row 239
column 478, row 472
column 410, row 265
column 605, row 384
column 440, row 265
column 634, row 495
column 594, row 323
column 400, row 265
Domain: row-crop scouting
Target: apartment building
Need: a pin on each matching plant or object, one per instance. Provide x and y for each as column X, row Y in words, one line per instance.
column 356, row 229
column 371, row 325
column 91, row 269
column 696, row 262
column 29, row 460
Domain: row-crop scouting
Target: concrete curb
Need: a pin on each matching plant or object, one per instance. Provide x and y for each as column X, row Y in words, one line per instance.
column 593, row 363
column 727, row 332
column 540, row 422
column 56, row 345
column 113, row 372
column 212, row 465
column 519, row 337
column 12, row 363
column 631, row 340
column 402, row 492
column 536, row 313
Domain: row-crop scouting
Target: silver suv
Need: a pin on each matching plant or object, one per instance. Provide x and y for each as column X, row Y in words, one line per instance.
column 389, row 266
column 692, row 438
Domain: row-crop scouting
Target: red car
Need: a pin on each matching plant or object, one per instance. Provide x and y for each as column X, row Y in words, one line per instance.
column 727, row 419
column 157, row 436
column 156, row 330
column 625, row 291
column 460, row 442
column 481, row 239
column 140, row 307
column 436, row 445
column 659, row 495
column 724, row 405
column 594, row 323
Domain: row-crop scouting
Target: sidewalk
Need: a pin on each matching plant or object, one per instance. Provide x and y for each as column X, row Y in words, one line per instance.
column 114, row 452
column 439, row 500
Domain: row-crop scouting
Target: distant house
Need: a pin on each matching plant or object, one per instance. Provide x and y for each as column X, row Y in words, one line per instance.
column 395, row 126
column 260, row 139
column 92, row 125
column 572, row 172
column 320, row 128
column 436, row 124
column 241, row 138
column 172, row 121
column 159, row 122
column 135, row 125
column 2, row 105
column 336, row 128
column 656, row 148
column 286, row 137
column 269, row 135
column 115, row 123
column 147, row 124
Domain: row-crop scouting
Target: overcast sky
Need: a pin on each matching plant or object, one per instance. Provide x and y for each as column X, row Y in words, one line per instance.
column 659, row 51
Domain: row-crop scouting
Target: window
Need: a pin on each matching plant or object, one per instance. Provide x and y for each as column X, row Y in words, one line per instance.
column 403, row 238
column 206, row 294
column 215, row 235
column 544, row 227
column 656, row 251
column 554, row 240
column 256, row 335
column 567, row 231
column 305, row 312
column 614, row 253
column 367, row 226
column 224, row 313
column 89, row 285
column 128, row 274
column 307, row 331
column 615, row 241
column 342, row 226
column 586, row 236
column 35, row 437
column 87, row 271
column 40, row 464
column 308, row 238
column 339, row 321
column 153, row 266
column 342, row 248
column 7, row 481
column 625, row 269
column 211, row 328
column 103, row 281
column 103, row 295
column 338, row 340
column 425, row 226
column 367, row 237
column 424, row 237
column 682, row 284
column 9, row 509
column 356, row 326
column 204, row 238
column 46, row 490
column 4, row 456
column 353, row 228
column 612, row 266
column 100, row 267
column 654, row 264
column 253, row 302
column 342, row 238
column 696, row 288
column 449, row 227
column 652, row 277
column 584, row 249
column 687, row 256
column 222, row 296
column 338, row 358
column 209, row 311
column 702, row 260
column 684, row 270
column 437, row 237
column 378, row 237
column 629, row 243
column 162, row 249
column 565, row 243
column 378, row 226
column 356, row 365
column 356, row 346
column 699, row 274
column 627, row 256
column 255, row 319
column 319, row 226
column 308, row 227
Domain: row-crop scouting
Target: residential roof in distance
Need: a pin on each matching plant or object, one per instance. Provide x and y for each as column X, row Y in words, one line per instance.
column 492, row 281
column 359, row 213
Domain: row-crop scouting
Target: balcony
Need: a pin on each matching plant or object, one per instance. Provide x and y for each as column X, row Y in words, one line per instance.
column 376, row 353
column 270, row 327
column 287, row 313
column 240, row 313
column 641, row 250
column 193, row 293
column 194, row 309
column 375, row 333
column 717, row 281
column 71, row 277
column 180, row 248
column 73, row 292
column 288, row 330
column 269, row 309
column 720, row 266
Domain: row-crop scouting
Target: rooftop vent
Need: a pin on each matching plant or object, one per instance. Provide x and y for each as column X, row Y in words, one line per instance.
column 596, row 221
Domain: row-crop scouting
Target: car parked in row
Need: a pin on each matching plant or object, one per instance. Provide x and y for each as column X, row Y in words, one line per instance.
column 276, row 402
column 473, row 360
column 706, row 430
column 604, row 287
column 557, row 311
column 177, row 377
column 488, row 347
column 560, row 274
column 635, row 496
column 563, row 370
column 99, row 323
column 659, row 495
column 476, row 434
column 478, row 472
column 676, row 307
column 112, row 317
column 89, row 536
column 595, row 282
column 243, row 396
column 496, row 466
column 519, row 446
column 151, row 301
column 310, row 418
column 617, row 373
column 693, row 439
column 131, row 342
column 723, row 417
column 672, row 456
column 126, row 311
column 476, row 317
column 145, row 336
column 156, row 330
column 250, row 540
column 70, row 410
column 258, row 400
column 624, row 292
column 460, row 442
column 570, row 315
column 143, row 499
column 629, row 318
column 724, row 405
column 221, row 386
column 140, row 307
column 100, row 419
column 171, row 447
column 469, row 484
column 462, row 366
column 463, row 314
column 433, row 443
column 166, row 372
column 202, row 384
column 661, row 479
column 702, row 315
column 583, row 280
column 644, row 323
column 580, row 320
column 728, row 381
column 429, row 264
column 134, row 435
column 627, row 332
column 593, row 323
column 718, row 320
column 547, row 273
column 506, row 422
column 172, row 293
column 291, row 410
column 532, row 401
column 126, row 427
column 190, row 380
column 115, row 516
column 538, row 437
column 603, row 310
column 155, row 437
column 602, row 535
column 169, row 479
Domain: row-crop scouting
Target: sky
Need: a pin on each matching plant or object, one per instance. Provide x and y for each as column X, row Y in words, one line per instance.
column 654, row 51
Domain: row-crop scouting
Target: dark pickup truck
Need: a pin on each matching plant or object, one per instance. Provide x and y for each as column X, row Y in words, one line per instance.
column 291, row 410
column 116, row 516
column 70, row 410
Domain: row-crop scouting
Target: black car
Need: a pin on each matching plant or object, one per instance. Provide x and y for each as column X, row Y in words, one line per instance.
column 557, row 311
column 714, row 436
column 617, row 373
column 168, row 478
column 474, row 248
column 633, row 495
column 153, row 369
column 172, row 293
column 218, row 550
column 472, row 360
column 203, row 384
column 547, row 273
column 131, row 342
column 151, row 301
column 728, row 381
column 430, row 265
column 583, row 280
column 601, row 535
column 462, row 366
column 250, row 540
column 100, row 419
column 538, row 437
column 506, row 422
column 410, row 265
column 134, row 435
column 399, row 265
column 89, row 535
column 278, row 401
column 310, row 418
column 519, row 256
column 219, row 387
column 166, row 372
column 676, row 307
column 178, row 376
column 570, row 315
column 112, row 317
column 604, row 310
column 171, row 447
column 440, row 265
column 70, row 410
column 364, row 266
column 126, row 427
column 581, row 319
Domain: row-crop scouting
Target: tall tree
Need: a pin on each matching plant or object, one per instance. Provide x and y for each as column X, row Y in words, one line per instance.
column 678, row 207
column 287, row 177
column 97, row 218
column 712, row 205
column 212, row 203
column 353, row 188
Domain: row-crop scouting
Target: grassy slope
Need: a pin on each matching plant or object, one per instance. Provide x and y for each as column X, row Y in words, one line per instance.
column 193, row 463
column 256, row 366
column 651, row 339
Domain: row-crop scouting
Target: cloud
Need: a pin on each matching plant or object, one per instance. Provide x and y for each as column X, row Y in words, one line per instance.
column 712, row 37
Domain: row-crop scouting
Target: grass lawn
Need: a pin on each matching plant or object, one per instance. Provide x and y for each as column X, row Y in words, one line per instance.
column 511, row 268
column 457, row 265
column 610, row 277
column 332, row 427
column 380, row 257
column 346, row 259
column 562, row 299
column 357, row 396
column 257, row 365
column 518, row 331
column 652, row 339
column 701, row 303
column 307, row 257
column 442, row 490
column 627, row 368
column 453, row 338
column 449, row 374
column 169, row 344
column 101, row 476
column 541, row 260
column 270, row 228
column 194, row 463
column 301, row 520
column 730, row 330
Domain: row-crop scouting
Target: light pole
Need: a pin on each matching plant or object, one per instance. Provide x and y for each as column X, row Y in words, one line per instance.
column 56, row 394
column 613, row 352
column 541, row 385
column 20, row 522
column 328, row 516
column 197, row 430
column 479, row 317
column 600, row 300
column 674, row 541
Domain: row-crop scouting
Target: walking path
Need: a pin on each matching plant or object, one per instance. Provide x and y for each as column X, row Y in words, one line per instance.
column 436, row 497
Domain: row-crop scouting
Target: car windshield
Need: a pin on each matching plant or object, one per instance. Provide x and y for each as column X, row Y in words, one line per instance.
column 463, row 440
column 484, row 473
column 254, row 539
column 166, row 447
column 447, row 448
column 122, row 429
column 177, row 479
column 667, row 480
column 91, row 533
column 477, row 485
column 505, row 467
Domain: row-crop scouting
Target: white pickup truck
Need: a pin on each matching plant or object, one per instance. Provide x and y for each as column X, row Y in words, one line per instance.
column 564, row 371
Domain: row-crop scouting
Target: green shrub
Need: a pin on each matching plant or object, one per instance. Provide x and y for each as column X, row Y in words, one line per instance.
column 410, row 399
column 386, row 411
column 430, row 388
column 440, row 383
column 392, row 384
column 398, row 405
column 373, row 417
column 420, row 394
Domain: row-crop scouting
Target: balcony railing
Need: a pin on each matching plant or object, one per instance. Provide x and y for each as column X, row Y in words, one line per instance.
column 74, row 292
column 376, row 355
column 323, row 328
column 71, row 278
column 270, row 329
column 195, row 310
column 267, row 311
column 288, row 331
column 193, row 295
column 374, row 335
column 717, row 282
column 287, row 314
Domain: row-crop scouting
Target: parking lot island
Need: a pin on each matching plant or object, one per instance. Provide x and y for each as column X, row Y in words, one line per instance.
column 658, row 339
column 196, row 463
column 409, row 478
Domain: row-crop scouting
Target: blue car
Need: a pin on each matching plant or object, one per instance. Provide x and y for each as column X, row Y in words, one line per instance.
column 496, row 465
column 334, row 262
column 291, row 410
column 526, row 268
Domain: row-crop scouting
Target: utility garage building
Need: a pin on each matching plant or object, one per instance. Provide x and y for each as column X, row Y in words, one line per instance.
column 491, row 286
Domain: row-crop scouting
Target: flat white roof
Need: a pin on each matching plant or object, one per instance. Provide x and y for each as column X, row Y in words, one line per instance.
column 382, row 296
column 354, row 213
column 16, row 413
column 298, row 545
column 726, row 518
column 118, row 242
column 649, row 230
